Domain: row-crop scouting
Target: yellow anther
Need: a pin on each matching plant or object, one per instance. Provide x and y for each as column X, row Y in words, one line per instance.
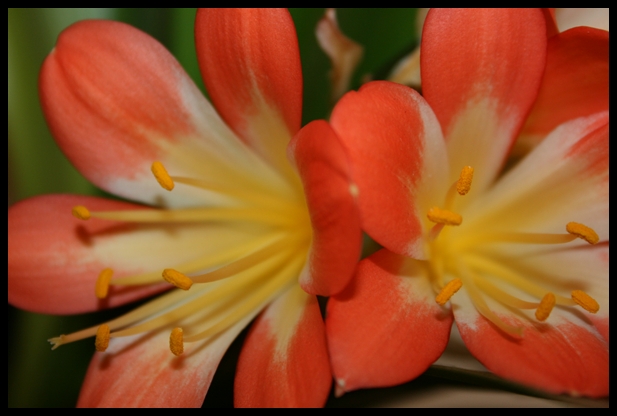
column 582, row 231
column 177, row 279
column 546, row 306
column 585, row 301
column 161, row 175
column 464, row 182
column 102, row 338
column 81, row 212
column 176, row 343
column 448, row 291
column 442, row 216
column 102, row 283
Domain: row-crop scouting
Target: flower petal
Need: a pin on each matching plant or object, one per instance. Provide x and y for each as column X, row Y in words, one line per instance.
column 481, row 71
column 575, row 82
column 564, row 179
column 55, row 259
column 569, row 356
column 331, row 197
column 116, row 100
column 284, row 360
column 399, row 161
column 250, row 63
column 140, row 371
column 385, row 328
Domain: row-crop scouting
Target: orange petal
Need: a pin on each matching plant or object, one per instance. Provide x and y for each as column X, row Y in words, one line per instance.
column 284, row 360
column 385, row 328
column 331, row 196
column 575, row 82
column 54, row 259
column 141, row 371
column 567, row 357
column 399, row 161
column 481, row 71
column 250, row 63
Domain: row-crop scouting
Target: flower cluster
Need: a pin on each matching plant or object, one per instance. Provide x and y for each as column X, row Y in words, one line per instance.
column 488, row 193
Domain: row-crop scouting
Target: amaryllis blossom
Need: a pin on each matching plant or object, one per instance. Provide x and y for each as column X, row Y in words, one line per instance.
column 232, row 207
column 517, row 256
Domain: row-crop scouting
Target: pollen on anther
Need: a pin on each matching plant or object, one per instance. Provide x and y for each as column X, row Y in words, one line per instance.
column 101, row 289
column 582, row 231
column 102, row 338
column 176, row 341
column 464, row 182
column 585, row 301
column 81, row 212
column 442, row 216
column 546, row 307
column 177, row 279
column 161, row 175
column 448, row 291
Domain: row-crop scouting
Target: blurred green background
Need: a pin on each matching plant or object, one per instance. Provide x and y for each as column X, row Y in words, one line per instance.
column 37, row 376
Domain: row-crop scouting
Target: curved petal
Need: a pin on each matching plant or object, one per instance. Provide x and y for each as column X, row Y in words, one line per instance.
column 116, row 100
column 331, row 197
column 575, row 82
column 55, row 259
column 385, row 328
column 284, row 360
column 398, row 158
column 140, row 371
column 568, row 356
column 481, row 71
column 564, row 179
column 250, row 63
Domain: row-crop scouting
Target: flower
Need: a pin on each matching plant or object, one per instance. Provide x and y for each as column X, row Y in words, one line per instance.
column 468, row 238
column 239, row 228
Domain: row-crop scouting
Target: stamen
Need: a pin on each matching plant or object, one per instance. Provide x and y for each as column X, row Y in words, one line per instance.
column 585, row 301
column 81, row 212
column 177, row 279
column 481, row 305
column 176, row 344
column 546, row 306
column 161, row 175
column 442, row 216
column 464, row 182
column 102, row 338
column 102, row 283
column 582, row 231
column 501, row 296
column 448, row 291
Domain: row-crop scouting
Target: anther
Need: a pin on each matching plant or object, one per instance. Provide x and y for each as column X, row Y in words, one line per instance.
column 81, row 212
column 585, row 301
column 546, row 306
column 464, row 182
column 161, row 175
column 102, row 283
column 177, row 279
column 448, row 291
column 102, row 338
column 442, row 216
column 176, row 343
column 582, row 231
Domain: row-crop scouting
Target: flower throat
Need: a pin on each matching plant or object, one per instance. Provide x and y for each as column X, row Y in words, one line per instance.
column 479, row 273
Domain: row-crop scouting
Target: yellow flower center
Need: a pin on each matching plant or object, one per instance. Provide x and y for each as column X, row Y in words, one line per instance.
column 460, row 256
column 218, row 290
